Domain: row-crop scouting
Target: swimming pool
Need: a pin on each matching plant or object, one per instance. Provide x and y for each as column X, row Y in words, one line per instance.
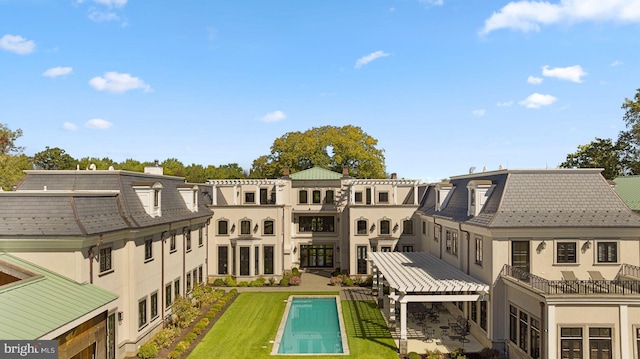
column 311, row 325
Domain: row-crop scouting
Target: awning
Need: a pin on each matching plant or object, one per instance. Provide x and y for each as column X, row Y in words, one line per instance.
column 421, row 272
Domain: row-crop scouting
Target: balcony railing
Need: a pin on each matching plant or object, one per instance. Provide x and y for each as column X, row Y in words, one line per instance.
column 579, row 287
column 629, row 270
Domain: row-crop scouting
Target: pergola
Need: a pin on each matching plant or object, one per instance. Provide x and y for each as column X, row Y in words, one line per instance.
column 421, row 277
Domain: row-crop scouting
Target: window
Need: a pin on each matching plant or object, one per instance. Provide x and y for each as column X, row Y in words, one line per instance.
column 600, row 343
column 368, row 195
column 479, row 250
column 361, row 226
column 383, row 197
column 437, row 230
column 223, row 258
column 302, row 196
column 154, row 305
column 483, row 315
column 524, row 331
column 316, row 224
column 329, row 197
column 407, row 248
column 142, row 312
column 424, row 227
column 268, row 259
column 358, row 197
column 176, row 288
column 638, row 342
column 188, row 289
column 200, row 237
column 249, row 197
column 172, row 242
column 566, row 252
column 263, row 196
column 167, row 295
column 148, row 249
column 361, row 252
column 195, row 277
column 407, row 227
column 200, row 274
column 571, row 343
column 267, row 227
column 474, row 311
column 244, row 260
column 448, row 241
column 607, row 252
column 513, row 324
column 472, row 197
column 385, row 249
column 534, row 352
column 385, row 226
column 105, row 259
column 156, row 198
column 454, row 246
column 188, row 239
column 223, row 227
column 245, row 227
column 256, row 260
column 316, row 196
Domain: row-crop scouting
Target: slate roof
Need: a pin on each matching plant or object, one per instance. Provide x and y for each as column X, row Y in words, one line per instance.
column 628, row 188
column 538, row 198
column 316, row 173
column 32, row 307
column 90, row 202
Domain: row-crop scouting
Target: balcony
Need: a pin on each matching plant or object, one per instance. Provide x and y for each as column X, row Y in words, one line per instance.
column 624, row 284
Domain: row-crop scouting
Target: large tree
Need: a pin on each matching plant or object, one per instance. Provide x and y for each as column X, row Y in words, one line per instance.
column 54, row 159
column 8, row 140
column 12, row 161
column 330, row 147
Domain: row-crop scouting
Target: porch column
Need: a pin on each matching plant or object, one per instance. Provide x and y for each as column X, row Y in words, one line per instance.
column 380, row 291
column 374, row 286
column 403, row 328
column 552, row 331
column 624, row 329
column 392, row 309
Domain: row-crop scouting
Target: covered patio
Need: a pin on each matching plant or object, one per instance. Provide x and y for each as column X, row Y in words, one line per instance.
column 422, row 285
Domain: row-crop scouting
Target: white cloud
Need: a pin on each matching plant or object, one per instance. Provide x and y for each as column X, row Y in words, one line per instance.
column 534, row 80
column 504, row 104
column 99, row 16
column 110, row 3
column 537, row 100
column 479, row 113
column 17, row 44
column 527, row 15
column 70, row 126
column 118, row 82
column 616, row 63
column 571, row 73
column 98, row 124
column 368, row 58
column 57, row 71
column 274, row 116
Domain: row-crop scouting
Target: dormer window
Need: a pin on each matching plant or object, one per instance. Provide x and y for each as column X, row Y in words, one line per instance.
column 478, row 191
column 189, row 194
column 150, row 196
column 443, row 192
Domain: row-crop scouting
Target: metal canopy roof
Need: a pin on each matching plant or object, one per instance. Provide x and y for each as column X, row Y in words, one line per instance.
column 421, row 272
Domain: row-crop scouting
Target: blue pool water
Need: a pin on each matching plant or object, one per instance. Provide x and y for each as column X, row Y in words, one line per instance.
column 312, row 327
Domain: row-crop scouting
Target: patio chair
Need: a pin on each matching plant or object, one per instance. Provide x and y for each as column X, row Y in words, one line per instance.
column 595, row 275
column 570, row 279
column 429, row 334
column 598, row 280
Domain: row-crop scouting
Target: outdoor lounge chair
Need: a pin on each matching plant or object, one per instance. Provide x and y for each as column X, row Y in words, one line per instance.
column 595, row 275
column 571, row 280
column 598, row 280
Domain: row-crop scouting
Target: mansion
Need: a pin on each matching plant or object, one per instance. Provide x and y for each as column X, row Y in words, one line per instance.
column 543, row 263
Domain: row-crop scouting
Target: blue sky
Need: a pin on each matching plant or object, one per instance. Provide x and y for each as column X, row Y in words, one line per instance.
column 444, row 85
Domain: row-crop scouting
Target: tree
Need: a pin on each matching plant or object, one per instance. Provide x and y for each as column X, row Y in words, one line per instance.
column 632, row 114
column 8, row 140
column 329, row 147
column 12, row 170
column 130, row 165
column 173, row 167
column 54, row 159
column 195, row 173
column 101, row 164
column 601, row 153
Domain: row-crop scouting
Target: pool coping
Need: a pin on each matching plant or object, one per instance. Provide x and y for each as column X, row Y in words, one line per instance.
column 283, row 323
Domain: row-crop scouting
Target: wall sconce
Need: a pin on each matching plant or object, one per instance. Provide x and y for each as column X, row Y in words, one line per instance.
column 233, row 227
column 541, row 246
column 373, row 228
column 586, row 246
column 120, row 317
column 395, row 228
column 255, row 228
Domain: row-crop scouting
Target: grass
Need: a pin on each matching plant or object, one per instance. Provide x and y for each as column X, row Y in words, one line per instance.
column 246, row 328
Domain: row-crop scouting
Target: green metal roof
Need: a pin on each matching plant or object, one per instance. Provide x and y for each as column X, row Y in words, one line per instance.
column 628, row 188
column 316, row 173
column 43, row 302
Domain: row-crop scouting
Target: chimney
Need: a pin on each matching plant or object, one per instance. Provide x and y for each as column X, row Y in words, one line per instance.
column 394, row 176
column 285, row 171
column 345, row 171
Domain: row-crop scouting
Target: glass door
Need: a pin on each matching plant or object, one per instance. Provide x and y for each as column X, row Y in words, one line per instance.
column 520, row 259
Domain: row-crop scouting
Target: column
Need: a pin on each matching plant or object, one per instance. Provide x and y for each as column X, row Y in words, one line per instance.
column 403, row 327
column 374, row 286
column 380, row 290
column 392, row 309
column 552, row 332
column 214, row 195
column 625, row 346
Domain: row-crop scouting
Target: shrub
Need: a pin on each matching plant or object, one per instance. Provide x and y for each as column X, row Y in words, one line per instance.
column 204, row 321
column 184, row 311
column 190, row 337
column 174, row 354
column 233, row 292
column 272, row 281
column 458, row 354
column 229, row 282
column 148, row 350
column 284, row 282
column 219, row 282
column 181, row 347
column 164, row 337
column 295, row 280
column 368, row 282
column 414, row 355
column 295, row 272
column 435, row 354
column 335, row 281
column 347, row 281
column 336, row 272
column 243, row 284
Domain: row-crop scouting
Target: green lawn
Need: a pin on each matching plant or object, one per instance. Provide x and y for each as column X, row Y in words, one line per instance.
column 246, row 328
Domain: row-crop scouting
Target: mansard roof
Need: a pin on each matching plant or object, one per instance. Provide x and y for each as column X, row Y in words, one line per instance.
column 70, row 203
column 537, row 198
